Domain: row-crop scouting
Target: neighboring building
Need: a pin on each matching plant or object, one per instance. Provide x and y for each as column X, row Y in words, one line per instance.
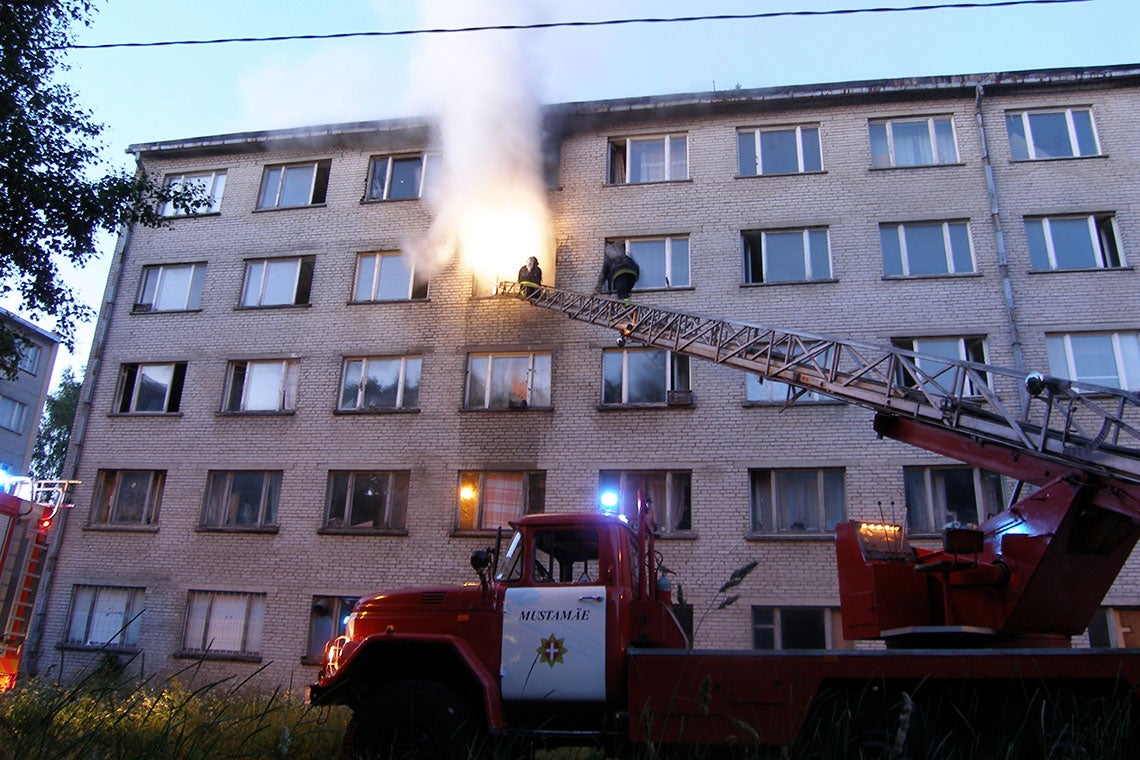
column 284, row 414
column 22, row 397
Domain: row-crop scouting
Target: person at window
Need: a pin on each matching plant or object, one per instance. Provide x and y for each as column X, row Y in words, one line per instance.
column 619, row 270
column 530, row 277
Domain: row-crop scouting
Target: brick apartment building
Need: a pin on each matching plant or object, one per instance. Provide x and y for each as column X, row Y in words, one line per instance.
column 22, row 396
column 282, row 413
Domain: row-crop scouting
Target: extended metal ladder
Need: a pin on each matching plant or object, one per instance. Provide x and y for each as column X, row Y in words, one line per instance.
column 1090, row 428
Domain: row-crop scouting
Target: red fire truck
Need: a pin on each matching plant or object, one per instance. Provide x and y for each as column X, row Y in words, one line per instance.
column 569, row 635
column 27, row 512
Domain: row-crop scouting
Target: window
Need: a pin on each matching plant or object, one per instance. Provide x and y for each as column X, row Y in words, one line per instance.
column 786, row 255
column 29, row 360
column 1115, row 627
column 294, row 185
column 128, row 497
column 569, row 555
column 941, row 496
column 782, row 150
column 913, row 142
column 210, row 184
column 648, row 159
column 642, row 375
column 488, row 500
column 278, row 282
column 327, row 619
column 669, row 493
column 367, row 500
column 792, row 627
column 1073, row 242
column 757, row 390
column 150, row 388
column 171, row 287
column 12, row 414
column 664, row 262
column 1060, row 133
column 378, row 383
column 393, row 178
column 105, row 616
column 797, row 501
column 387, row 276
column 508, row 381
column 242, row 498
column 960, row 349
column 911, row 250
column 261, row 386
column 224, row 623
column 1109, row 359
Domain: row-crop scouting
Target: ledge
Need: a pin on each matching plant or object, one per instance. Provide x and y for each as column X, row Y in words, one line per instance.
column 781, row 174
column 790, row 536
column 334, row 531
column 267, row 529
column 187, row 654
column 374, row 412
column 98, row 648
column 124, row 528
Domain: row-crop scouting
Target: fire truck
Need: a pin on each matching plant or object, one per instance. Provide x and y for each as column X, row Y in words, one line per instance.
column 28, row 509
column 569, row 636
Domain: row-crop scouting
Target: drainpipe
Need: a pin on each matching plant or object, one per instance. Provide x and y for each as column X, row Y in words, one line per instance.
column 995, row 218
column 34, row 643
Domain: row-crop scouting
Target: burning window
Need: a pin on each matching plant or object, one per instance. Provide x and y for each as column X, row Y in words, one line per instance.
column 387, row 276
column 635, row 160
column 1057, row 133
column 778, row 150
column 288, row 185
column 913, row 142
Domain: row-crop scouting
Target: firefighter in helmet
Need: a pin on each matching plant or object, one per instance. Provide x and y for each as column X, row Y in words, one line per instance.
column 619, row 270
column 530, row 277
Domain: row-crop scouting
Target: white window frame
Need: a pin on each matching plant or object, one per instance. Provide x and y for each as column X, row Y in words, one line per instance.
column 936, row 516
column 221, row 484
column 1125, row 351
column 947, row 247
column 105, row 617
column 967, row 349
column 414, row 288
column 130, row 375
column 748, row 236
column 331, row 613
column 831, row 626
column 471, row 513
column 678, row 375
column 153, row 288
column 270, row 197
column 773, row 521
column 758, row 168
column 624, row 145
column 213, row 182
column 758, row 390
column 107, row 508
column 481, row 369
column 394, row 512
column 1103, row 239
column 247, row 372
column 1025, row 117
column 29, row 360
column 212, row 615
column 676, row 275
column 13, row 414
column 932, row 136
column 673, row 507
column 259, row 273
column 407, row 364
column 430, row 166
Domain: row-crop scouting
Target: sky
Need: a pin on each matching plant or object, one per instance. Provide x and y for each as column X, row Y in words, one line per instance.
column 145, row 95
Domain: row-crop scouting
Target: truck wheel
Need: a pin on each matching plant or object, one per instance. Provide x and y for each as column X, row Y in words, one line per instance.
column 413, row 720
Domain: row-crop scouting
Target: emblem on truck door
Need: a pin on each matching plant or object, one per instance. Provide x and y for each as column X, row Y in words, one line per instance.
column 551, row 650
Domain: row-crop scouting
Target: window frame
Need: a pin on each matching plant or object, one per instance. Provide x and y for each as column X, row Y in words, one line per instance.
column 535, row 371
column 126, row 637
column 215, row 185
column 431, row 164
column 971, row 348
column 757, row 153
column 236, row 401
column 751, row 238
column 533, row 498
column 358, row 407
column 15, row 419
column 774, row 388
column 29, row 357
column 318, row 184
column 936, row 515
column 1104, row 240
column 668, row 261
column 889, row 124
column 774, row 507
column 153, row 279
column 674, row 517
column 417, row 288
column 220, row 483
column 302, row 282
column 678, row 376
column 129, row 388
column 948, row 250
column 1024, row 118
column 1125, row 357
column 253, row 622
column 337, row 609
column 108, row 501
column 394, row 511
column 778, row 627
column 618, row 158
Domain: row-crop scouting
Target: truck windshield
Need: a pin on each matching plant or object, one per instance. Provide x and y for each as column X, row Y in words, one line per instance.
column 512, row 562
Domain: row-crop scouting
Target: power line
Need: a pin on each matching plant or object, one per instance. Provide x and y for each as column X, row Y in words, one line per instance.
column 565, row 24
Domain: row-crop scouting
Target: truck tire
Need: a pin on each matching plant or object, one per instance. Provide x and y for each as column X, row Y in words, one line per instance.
column 413, row 720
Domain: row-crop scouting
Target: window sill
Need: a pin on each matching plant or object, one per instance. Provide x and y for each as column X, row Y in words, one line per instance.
column 677, row 535
column 788, row 282
column 473, row 533
column 1055, row 158
column 284, row 413
column 266, row 529
column 645, row 407
column 126, row 527
column 782, row 405
column 941, row 276
column 273, row 307
column 1082, row 270
column 781, row 174
column 685, row 181
column 916, row 166
column 149, row 415
column 791, row 536
column 187, row 654
column 375, row 201
column 387, row 301
column 334, row 531
column 268, row 209
column 372, row 412
column 98, row 648
column 137, row 309
column 504, row 409
column 308, row 659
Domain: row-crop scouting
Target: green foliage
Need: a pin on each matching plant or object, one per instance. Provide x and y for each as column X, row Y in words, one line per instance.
column 55, row 428
column 56, row 192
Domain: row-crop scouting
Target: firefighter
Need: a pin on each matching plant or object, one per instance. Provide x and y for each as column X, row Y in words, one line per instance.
column 619, row 270
column 530, row 277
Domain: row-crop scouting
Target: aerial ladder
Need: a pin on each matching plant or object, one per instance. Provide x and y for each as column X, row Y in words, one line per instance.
column 1031, row 575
